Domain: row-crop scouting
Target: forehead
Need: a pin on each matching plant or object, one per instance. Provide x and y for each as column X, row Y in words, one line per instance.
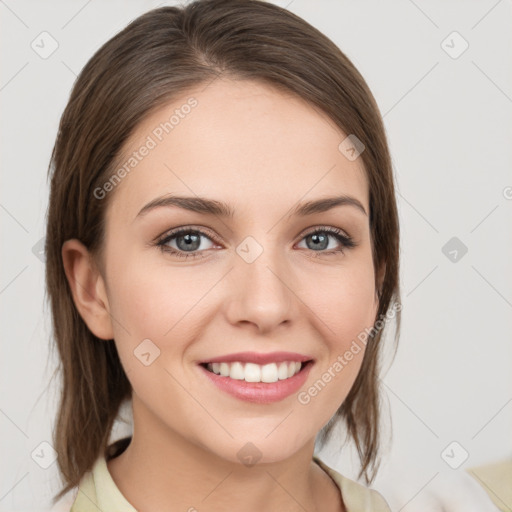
column 244, row 142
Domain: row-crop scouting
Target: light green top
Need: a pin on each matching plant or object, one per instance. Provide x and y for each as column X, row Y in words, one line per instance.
column 496, row 479
column 98, row 491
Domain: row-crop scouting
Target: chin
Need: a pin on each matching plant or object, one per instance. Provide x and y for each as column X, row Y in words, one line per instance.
column 251, row 447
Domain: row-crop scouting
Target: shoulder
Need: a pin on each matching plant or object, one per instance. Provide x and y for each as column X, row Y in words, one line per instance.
column 495, row 479
column 86, row 496
column 356, row 497
column 98, row 491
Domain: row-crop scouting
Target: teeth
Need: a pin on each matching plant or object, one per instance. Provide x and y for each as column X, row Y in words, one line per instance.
column 251, row 372
column 269, row 373
column 282, row 371
column 224, row 369
column 236, row 371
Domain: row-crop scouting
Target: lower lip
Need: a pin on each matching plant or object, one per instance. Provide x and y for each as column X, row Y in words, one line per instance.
column 260, row 392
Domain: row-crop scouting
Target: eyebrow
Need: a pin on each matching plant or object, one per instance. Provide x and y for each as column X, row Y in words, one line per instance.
column 218, row 208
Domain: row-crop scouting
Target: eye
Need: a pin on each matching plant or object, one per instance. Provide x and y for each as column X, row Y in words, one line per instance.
column 186, row 241
column 319, row 241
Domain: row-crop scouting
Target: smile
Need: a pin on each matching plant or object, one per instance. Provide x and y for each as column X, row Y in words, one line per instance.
column 251, row 372
column 260, row 378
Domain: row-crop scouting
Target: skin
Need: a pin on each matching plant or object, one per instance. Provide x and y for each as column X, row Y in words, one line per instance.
column 261, row 151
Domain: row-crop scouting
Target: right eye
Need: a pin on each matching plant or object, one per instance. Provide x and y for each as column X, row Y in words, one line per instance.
column 187, row 242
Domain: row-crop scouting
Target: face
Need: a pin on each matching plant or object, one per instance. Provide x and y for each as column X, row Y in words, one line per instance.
column 264, row 292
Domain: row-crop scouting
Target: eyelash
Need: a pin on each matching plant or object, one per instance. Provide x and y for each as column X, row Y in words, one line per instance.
column 345, row 241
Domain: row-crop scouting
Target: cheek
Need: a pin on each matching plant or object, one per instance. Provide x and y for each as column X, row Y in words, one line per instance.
column 152, row 301
column 151, row 309
column 345, row 302
column 344, row 305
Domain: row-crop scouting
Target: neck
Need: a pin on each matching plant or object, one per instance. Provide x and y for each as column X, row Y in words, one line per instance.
column 165, row 468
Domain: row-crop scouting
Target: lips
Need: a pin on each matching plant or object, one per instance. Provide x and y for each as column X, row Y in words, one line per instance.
column 258, row 358
column 254, row 377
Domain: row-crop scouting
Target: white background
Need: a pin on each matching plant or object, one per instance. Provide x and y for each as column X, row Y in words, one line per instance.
column 449, row 123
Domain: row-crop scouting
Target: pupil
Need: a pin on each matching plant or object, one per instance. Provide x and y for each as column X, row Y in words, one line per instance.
column 318, row 238
column 190, row 243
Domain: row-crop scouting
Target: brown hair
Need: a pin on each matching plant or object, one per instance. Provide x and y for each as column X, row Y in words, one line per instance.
column 158, row 56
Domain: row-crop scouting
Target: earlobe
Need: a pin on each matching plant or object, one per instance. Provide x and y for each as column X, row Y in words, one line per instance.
column 87, row 288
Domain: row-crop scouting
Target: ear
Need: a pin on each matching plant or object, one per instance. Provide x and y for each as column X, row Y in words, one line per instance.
column 88, row 288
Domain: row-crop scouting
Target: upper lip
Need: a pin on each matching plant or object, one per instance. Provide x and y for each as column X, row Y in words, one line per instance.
column 258, row 358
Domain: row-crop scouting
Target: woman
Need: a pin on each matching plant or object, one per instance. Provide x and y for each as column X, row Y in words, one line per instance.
column 222, row 250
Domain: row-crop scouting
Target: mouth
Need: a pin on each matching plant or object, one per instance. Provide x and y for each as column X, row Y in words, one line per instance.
column 253, row 372
column 258, row 378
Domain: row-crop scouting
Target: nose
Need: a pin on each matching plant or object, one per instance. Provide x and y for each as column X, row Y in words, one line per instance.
column 261, row 292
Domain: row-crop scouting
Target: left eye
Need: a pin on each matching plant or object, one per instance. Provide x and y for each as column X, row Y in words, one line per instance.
column 320, row 240
column 187, row 242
